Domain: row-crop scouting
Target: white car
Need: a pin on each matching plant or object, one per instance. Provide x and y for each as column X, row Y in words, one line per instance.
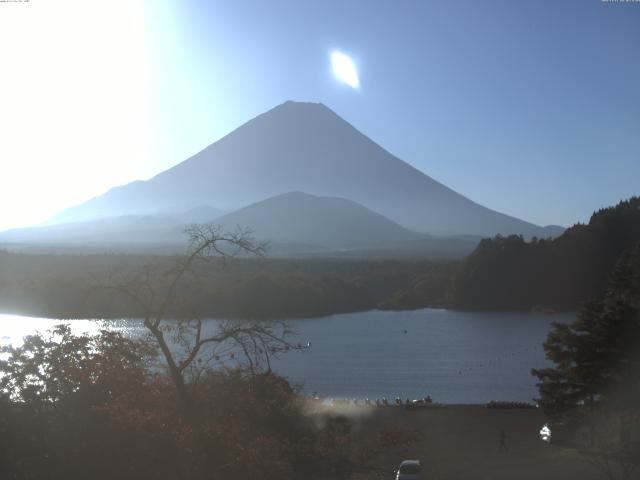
column 408, row 470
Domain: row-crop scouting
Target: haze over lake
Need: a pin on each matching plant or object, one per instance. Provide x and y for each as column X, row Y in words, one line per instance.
column 456, row 357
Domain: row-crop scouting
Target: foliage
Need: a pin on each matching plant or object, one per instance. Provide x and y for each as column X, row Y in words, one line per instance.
column 509, row 273
column 58, row 286
column 77, row 397
column 597, row 357
column 76, row 407
column 45, row 370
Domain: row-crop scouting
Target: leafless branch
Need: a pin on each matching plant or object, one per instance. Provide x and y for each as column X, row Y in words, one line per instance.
column 155, row 292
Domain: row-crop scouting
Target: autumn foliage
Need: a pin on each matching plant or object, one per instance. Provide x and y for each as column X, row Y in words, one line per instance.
column 101, row 407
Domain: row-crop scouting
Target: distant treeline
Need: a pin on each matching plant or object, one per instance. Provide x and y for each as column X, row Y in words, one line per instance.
column 71, row 286
column 502, row 273
column 509, row 273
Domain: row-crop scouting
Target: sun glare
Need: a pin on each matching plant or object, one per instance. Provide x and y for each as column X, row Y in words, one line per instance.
column 73, row 96
column 345, row 70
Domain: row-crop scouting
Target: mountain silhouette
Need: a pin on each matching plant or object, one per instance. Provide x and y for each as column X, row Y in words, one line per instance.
column 297, row 218
column 293, row 223
column 148, row 229
column 304, row 147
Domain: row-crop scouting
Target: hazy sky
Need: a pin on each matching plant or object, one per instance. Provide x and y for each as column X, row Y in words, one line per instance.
column 530, row 108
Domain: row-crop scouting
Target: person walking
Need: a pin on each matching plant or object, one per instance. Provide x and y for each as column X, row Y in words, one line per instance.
column 503, row 442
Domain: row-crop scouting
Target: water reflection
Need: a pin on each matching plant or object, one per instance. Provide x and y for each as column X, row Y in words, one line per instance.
column 455, row 357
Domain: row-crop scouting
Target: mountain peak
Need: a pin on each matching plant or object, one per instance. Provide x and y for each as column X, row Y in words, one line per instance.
column 298, row 104
column 305, row 147
column 306, row 110
column 305, row 219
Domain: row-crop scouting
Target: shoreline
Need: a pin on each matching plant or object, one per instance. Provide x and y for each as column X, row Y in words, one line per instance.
column 437, row 307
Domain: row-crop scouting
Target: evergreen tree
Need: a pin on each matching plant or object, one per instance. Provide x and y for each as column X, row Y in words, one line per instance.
column 596, row 357
column 509, row 273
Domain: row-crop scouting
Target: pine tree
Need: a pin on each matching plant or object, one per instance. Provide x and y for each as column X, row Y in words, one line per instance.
column 596, row 357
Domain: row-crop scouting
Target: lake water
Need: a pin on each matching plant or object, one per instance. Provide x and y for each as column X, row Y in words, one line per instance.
column 456, row 357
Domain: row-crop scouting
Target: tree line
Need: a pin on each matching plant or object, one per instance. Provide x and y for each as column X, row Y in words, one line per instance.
column 62, row 286
column 510, row 273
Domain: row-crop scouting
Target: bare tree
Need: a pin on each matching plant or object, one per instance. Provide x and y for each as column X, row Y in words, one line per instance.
column 184, row 341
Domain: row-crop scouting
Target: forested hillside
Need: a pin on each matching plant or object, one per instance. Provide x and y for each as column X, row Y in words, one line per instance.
column 68, row 286
column 509, row 273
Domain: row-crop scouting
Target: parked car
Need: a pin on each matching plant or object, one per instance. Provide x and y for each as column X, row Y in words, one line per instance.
column 408, row 470
column 545, row 433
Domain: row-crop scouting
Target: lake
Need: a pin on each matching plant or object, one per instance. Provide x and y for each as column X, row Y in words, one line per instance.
column 456, row 357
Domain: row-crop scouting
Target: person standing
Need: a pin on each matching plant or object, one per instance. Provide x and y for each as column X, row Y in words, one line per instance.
column 503, row 442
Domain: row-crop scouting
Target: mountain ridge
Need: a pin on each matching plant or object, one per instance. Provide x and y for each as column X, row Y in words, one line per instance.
column 324, row 222
column 293, row 224
column 301, row 146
